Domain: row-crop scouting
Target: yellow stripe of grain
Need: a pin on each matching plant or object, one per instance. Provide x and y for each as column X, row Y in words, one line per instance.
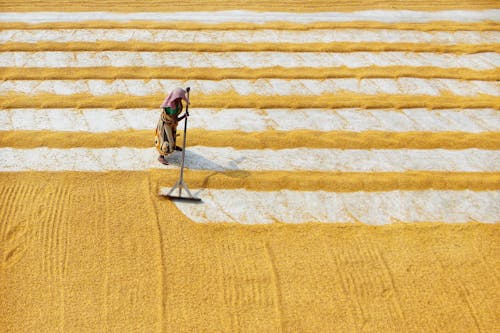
column 233, row 100
column 260, row 5
column 405, row 263
column 254, row 47
column 302, row 180
column 108, row 72
column 333, row 181
column 257, row 140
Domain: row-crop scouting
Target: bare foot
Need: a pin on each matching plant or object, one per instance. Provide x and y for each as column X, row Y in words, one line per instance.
column 162, row 160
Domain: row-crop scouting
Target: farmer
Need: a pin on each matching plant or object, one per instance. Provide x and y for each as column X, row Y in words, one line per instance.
column 167, row 124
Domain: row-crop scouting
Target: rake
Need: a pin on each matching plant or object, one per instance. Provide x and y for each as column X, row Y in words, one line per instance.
column 181, row 185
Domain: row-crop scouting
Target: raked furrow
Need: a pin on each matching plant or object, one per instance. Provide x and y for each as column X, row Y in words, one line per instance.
column 249, row 60
column 263, row 87
column 346, row 154
column 254, row 120
column 249, row 36
column 336, row 116
column 152, row 25
column 227, row 159
column 238, row 16
column 374, row 208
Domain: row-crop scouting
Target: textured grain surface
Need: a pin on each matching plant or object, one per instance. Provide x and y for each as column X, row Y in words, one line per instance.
column 198, row 5
column 111, row 255
column 418, row 151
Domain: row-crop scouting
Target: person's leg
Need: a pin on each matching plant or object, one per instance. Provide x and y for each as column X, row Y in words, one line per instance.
column 175, row 136
column 161, row 142
column 170, row 137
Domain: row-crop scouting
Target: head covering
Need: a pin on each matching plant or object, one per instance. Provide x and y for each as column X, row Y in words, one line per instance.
column 176, row 93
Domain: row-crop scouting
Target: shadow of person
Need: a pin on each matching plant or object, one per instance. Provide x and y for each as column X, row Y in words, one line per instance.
column 195, row 161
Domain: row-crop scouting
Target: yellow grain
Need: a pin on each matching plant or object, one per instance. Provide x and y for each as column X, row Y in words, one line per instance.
column 195, row 73
column 234, row 100
column 259, row 5
column 146, row 267
column 124, row 259
column 334, row 181
column 257, row 140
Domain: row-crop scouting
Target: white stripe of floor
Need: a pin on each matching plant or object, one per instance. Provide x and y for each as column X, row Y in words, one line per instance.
column 374, row 208
column 389, row 16
column 60, row 59
column 220, row 159
column 265, row 87
column 253, row 120
column 249, row 36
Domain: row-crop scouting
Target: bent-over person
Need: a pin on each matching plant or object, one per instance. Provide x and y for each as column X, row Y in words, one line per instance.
column 166, row 130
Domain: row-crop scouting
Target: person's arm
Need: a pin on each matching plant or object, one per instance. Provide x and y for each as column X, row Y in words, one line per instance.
column 186, row 114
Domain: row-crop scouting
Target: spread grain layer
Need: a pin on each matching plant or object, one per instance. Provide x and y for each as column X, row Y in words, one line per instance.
column 101, row 251
column 262, row 5
column 92, row 252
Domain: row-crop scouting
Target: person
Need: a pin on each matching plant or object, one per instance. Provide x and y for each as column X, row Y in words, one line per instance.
column 166, row 130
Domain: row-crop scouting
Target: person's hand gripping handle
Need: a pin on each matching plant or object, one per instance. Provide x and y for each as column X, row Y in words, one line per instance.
column 187, row 105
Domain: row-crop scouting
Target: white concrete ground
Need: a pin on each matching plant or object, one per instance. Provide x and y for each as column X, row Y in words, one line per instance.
column 227, row 158
column 255, row 120
column 250, row 36
column 264, row 87
column 287, row 206
column 375, row 208
column 389, row 16
column 59, row 59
